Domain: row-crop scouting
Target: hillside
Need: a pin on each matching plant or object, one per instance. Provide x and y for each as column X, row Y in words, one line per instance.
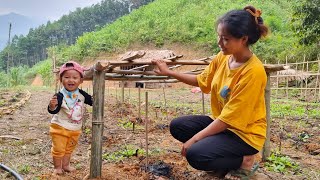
column 32, row 48
column 192, row 23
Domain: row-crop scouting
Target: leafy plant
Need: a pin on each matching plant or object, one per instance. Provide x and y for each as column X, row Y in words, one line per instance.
column 87, row 131
column 44, row 68
column 125, row 124
column 280, row 163
column 24, row 169
column 125, row 152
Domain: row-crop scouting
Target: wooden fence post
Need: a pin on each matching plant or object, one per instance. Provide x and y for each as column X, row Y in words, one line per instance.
column 97, row 123
column 266, row 147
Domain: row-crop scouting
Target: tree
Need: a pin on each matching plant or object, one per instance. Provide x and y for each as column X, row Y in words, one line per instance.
column 306, row 21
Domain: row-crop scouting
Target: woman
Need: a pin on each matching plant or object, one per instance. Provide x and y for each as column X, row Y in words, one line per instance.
column 228, row 139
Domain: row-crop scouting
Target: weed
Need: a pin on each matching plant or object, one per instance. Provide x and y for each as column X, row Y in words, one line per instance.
column 280, row 163
column 24, row 169
column 125, row 124
column 5, row 151
column 78, row 166
column 89, row 109
column 2, row 102
column 125, row 152
column 87, row 131
column 18, row 143
column 304, row 136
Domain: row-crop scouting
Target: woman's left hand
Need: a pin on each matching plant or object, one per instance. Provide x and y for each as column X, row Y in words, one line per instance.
column 186, row 146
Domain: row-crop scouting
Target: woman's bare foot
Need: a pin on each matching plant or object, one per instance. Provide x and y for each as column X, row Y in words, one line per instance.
column 245, row 171
column 247, row 162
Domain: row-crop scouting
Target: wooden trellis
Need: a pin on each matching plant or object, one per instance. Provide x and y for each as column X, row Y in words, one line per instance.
column 111, row 70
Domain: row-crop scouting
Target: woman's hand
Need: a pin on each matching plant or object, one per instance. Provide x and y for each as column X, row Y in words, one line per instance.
column 186, row 146
column 163, row 68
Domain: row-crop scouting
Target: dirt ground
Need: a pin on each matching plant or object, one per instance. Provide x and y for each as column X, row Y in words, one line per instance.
column 25, row 143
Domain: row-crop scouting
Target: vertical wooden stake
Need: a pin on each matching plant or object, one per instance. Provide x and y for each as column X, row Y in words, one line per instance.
column 203, row 110
column 301, row 83
column 277, row 80
column 266, row 148
column 146, row 123
column 165, row 103
column 287, row 83
column 139, row 103
column 122, row 92
column 306, row 83
column 97, row 123
column 317, row 81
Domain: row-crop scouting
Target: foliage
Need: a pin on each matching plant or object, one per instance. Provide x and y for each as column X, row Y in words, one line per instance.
column 306, row 22
column 125, row 124
column 125, row 152
column 87, row 130
column 32, row 48
column 187, row 22
column 3, row 79
column 280, row 163
column 24, row 169
column 44, row 68
column 290, row 108
column 16, row 76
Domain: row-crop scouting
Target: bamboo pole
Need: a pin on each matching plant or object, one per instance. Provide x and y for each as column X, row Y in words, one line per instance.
column 139, row 103
column 146, row 127
column 117, row 77
column 317, row 79
column 287, row 90
column 203, row 109
column 296, row 71
column 169, row 62
column 305, row 93
column 306, row 81
column 301, row 84
column 309, row 88
column 122, row 92
column 97, row 123
column 266, row 148
column 277, row 80
column 319, row 83
column 165, row 103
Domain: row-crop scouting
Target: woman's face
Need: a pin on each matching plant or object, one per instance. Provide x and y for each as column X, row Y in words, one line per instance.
column 229, row 44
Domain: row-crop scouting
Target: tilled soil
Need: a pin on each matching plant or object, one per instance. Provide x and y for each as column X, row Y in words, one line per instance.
column 25, row 145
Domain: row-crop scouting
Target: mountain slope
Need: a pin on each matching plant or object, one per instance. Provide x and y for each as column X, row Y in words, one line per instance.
column 20, row 25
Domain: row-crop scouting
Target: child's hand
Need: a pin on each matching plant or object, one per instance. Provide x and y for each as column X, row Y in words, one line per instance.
column 53, row 102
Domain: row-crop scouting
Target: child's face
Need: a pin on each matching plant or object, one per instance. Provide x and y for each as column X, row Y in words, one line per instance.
column 71, row 79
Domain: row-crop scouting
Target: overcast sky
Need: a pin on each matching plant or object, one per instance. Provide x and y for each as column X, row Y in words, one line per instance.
column 43, row 9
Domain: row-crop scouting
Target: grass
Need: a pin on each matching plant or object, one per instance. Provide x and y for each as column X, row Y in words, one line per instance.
column 281, row 108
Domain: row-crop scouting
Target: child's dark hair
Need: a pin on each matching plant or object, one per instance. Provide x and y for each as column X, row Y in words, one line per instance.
column 246, row 22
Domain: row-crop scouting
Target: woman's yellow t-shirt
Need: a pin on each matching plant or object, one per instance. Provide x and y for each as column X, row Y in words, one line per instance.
column 237, row 97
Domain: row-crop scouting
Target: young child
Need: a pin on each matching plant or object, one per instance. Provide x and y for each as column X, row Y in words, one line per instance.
column 68, row 108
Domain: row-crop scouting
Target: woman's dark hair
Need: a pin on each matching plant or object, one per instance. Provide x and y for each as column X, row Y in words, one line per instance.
column 246, row 22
